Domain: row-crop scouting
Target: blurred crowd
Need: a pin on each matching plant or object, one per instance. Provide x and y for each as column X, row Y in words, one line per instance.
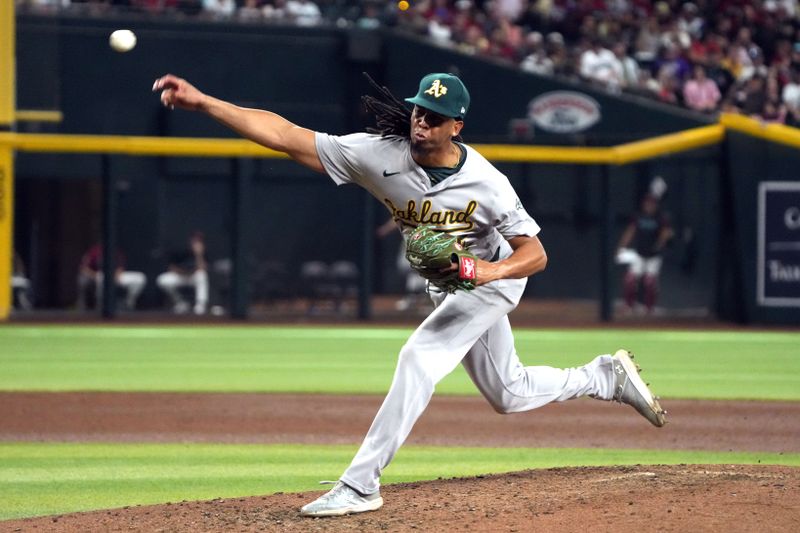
column 740, row 56
column 730, row 55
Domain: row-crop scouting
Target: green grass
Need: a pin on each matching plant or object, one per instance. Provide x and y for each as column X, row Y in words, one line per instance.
column 39, row 479
column 42, row 479
column 680, row 364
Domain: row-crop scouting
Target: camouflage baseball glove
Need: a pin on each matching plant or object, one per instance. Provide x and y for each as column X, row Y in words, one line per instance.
column 433, row 253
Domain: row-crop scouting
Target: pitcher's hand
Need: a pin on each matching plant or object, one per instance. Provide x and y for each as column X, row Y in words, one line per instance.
column 177, row 92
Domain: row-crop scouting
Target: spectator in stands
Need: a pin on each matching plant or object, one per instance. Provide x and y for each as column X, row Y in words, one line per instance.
column 539, row 15
column 734, row 40
column 701, row 93
column 502, row 42
column 370, row 16
column 251, row 11
column 90, row 278
column 438, row 30
column 790, row 97
column 774, row 112
column 275, row 11
column 44, row 6
column 690, row 22
column 751, row 97
column 648, row 85
column 439, row 10
column 747, row 51
column 668, row 88
column 673, row 37
column 732, row 62
column 219, row 9
column 715, row 69
column 509, row 10
column 672, row 64
column 475, row 41
column 188, row 268
column 304, row 12
column 558, row 53
column 648, row 41
column 465, row 20
column 537, row 60
column 599, row 65
column 626, row 66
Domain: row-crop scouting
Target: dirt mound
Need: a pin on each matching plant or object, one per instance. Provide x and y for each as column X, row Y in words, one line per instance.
column 645, row 498
column 641, row 498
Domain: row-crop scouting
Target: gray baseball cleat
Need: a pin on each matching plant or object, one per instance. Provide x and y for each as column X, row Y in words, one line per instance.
column 342, row 500
column 630, row 389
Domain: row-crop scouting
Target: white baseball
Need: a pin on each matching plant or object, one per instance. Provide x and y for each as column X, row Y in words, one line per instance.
column 122, row 40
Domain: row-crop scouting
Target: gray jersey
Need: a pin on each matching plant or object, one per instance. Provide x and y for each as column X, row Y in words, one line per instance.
column 477, row 203
column 470, row 327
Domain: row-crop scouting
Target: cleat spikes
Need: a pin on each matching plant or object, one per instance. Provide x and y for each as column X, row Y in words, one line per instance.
column 631, row 389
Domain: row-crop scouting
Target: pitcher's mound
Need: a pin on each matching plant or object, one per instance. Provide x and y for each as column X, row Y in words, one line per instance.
column 592, row 499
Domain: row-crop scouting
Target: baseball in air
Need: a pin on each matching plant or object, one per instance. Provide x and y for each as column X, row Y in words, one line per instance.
column 122, row 40
column 402, row 5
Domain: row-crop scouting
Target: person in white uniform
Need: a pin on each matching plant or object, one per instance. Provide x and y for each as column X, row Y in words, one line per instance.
column 187, row 269
column 90, row 276
column 417, row 166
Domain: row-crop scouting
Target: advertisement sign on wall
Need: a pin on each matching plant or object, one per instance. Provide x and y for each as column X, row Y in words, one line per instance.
column 778, row 283
column 564, row 111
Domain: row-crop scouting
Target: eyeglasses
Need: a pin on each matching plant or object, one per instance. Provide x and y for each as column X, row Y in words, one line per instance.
column 431, row 118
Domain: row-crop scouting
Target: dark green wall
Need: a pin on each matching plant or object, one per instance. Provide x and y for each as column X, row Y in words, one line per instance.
column 751, row 162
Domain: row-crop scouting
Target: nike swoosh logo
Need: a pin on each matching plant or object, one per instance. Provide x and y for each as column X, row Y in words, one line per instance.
column 387, row 174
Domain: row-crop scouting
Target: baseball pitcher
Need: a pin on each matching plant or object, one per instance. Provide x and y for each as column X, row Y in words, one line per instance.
column 467, row 232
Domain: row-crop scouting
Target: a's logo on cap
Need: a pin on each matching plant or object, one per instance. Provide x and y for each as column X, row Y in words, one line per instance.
column 437, row 89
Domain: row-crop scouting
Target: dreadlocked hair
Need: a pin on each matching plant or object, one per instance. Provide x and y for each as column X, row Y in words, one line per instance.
column 392, row 117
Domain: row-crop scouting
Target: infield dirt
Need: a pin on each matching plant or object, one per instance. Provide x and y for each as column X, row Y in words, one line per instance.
column 642, row 498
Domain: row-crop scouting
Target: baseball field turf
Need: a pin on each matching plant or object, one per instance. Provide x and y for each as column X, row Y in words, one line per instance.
column 38, row 478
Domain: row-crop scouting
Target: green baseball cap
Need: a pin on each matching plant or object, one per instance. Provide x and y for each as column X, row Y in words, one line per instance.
column 442, row 93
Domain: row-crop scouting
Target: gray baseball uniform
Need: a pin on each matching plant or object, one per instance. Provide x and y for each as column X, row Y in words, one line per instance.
column 469, row 327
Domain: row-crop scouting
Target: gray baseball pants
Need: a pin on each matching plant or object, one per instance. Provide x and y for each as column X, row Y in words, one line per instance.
column 470, row 328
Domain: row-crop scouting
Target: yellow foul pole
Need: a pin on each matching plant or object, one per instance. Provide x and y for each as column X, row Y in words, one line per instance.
column 7, row 111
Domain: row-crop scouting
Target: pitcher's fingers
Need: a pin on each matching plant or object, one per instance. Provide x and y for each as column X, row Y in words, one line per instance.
column 164, row 81
column 159, row 83
column 167, row 97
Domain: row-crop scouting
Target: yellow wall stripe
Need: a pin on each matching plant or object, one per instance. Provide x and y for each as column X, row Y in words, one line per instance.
column 195, row 147
column 211, row 147
column 545, row 154
column 38, row 115
column 142, row 146
column 778, row 133
column 669, row 144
